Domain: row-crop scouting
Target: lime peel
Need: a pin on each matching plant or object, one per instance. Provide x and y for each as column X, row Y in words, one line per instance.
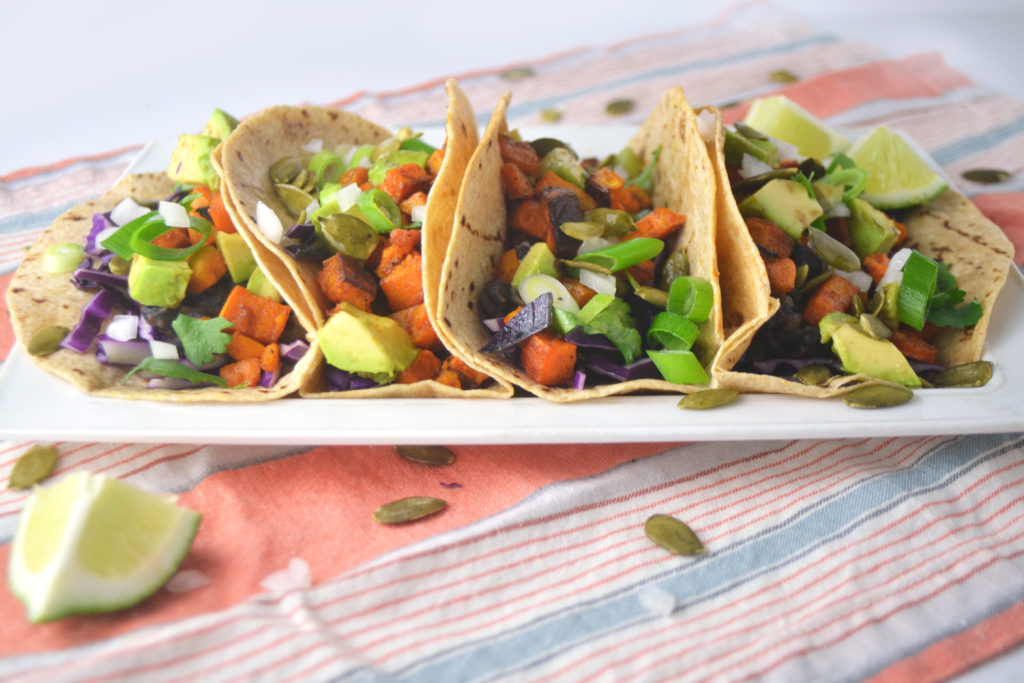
column 897, row 177
column 92, row 544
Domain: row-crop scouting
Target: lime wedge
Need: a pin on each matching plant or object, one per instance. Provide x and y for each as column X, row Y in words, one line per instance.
column 782, row 118
column 92, row 543
column 897, row 177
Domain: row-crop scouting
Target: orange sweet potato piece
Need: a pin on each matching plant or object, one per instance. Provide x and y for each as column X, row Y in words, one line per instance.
column 449, row 378
column 629, row 198
column 580, row 293
column 660, row 223
column 835, row 294
column 412, row 201
column 400, row 243
column 360, row 175
column 643, row 272
column 548, row 359
column 219, row 215
column 507, row 265
column 403, row 284
column 270, row 359
column 436, row 158
column 517, row 185
column 607, row 178
column 416, row 324
column 425, row 366
column 244, row 372
column 521, row 154
column 902, row 229
column 531, row 217
column 242, row 346
column 912, row 345
column 468, row 377
column 402, row 181
column 876, row 265
column 781, row 275
column 208, row 267
column 769, row 236
column 259, row 317
column 552, row 179
column 175, row 238
column 343, row 278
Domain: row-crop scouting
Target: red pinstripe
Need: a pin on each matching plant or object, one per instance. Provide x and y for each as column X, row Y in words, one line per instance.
column 59, row 165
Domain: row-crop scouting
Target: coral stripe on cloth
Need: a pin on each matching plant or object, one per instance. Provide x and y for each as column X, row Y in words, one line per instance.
column 884, row 559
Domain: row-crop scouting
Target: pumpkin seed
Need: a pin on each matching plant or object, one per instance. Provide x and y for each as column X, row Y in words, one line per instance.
column 756, row 182
column 986, row 175
column 783, row 76
column 587, row 265
column 284, row 170
column 878, row 396
column 119, row 266
column 550, row 115
column 749, row 132
column 295, row 198
column 676, row 265
column 582, row 230
column 673, row 535
column 427, row 455
column 813, row 374
column 614, row 223
column 408, row 509
column 346, row 234
column 47, row 340
column 875, row 328
column 653, row 295
column 517, row 74
column 832, row 251
column 976, row 374
column 619, row 107
column 801, row 275
column 708, row 398
column 857, row 307
column 32, row 467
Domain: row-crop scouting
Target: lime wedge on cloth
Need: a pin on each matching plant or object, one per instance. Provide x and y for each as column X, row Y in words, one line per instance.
column 92, row 543
column 782, row 118
column 897, row 177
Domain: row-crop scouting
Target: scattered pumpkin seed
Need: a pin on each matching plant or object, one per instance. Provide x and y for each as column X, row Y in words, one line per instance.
column 408, row 509
column 427, row 455
column 673, row 535
column 986, row 175
column 619, row 107
column 295, row 198
column 783, row 76
column 550, row 115
column 976, row 374
column 708, row 398
column 32, row 467
column 813, row 374
column 587, row 265
column 878, row 396
column 285, row 169
column 517, row 74
column 47, row 340
column 653, row 295
column 749, row 132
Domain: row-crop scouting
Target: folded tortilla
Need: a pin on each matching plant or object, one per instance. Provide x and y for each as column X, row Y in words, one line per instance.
column 684, row 181
column 38, row 299
column 243, row 161
column 950, row 228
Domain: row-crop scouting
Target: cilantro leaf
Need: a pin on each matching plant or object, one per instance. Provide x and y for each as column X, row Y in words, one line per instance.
column 172, row 368
column 646, row 177
column 955, row 316
column 615, row 323
column 202, row 339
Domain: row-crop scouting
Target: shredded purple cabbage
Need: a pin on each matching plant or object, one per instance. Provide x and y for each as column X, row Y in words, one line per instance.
column 93, row 315
column 294, row 351
column 269, row 379
column 342, row 380
column 642, row 368
column 531, row 319
column 100, row 222
column 589, row 341
column 579, row 379
column 301, row 231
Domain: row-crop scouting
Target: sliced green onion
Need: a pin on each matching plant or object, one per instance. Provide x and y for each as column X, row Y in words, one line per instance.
column 142, row 240
column 679, row 367
column 564, row 321
column 326, row 166
column 646, row 179
column 624, row 254
column 418, row 145
column 917, row 286
column 380, row 210
column 361, row 152
column 597, row 303
column 853, row 179
column 691, row 297
column 63, row 257
column 120, row 242
column 533, row 286
column 630, row 162
column 673, row 332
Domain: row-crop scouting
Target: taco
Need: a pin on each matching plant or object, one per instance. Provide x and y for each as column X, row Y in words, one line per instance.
column 127, row 316
column 574, row 278
column 354, row 223
column 874, row 296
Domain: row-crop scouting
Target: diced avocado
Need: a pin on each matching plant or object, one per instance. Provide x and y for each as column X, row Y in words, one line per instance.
column 220, row 124
column 877, row 358
column 237, row 255
column 871, row 231
column 785, row 203
column 361, row 342
column 538, row 260
column 831, row 321
column 260, row 285
column 564, row 321
column 190, row 161
column 158, row 283
column 737, row 145
column 828, row 196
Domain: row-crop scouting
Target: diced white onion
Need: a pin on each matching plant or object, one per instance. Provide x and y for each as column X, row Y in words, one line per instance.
column 314, row 145
column 593, row 244
column 620, row 171
column 347, row 196
column 313, row 206
column 787, row 151
column 162, row 349
column 707, row 124
column 104, row 234
column 349, row 153
column 120, row 353
column 840, row 210
column 123, row 327
column 366, row 162
column 599, row 282
column 126, row 211
column 418, row 213
column 858, row 277
column 752, row 166
column 268, row 222
column 894, row 273
column 174, row 215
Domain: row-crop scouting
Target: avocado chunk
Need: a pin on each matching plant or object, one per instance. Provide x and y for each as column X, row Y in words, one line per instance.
column 828, row 196
column 538, row 260
column 220, row 124
column 190, row 161
column 158, row 283
column 871, row 231
column 831, row 322
column 877, row 358
column 785, row 203
column 364, row 343
column 237, row 255
column 260, row 285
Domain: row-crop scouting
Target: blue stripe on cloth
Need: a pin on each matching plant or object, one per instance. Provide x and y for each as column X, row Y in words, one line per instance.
column 979, row 143
column 806, row 531
column 20, row 222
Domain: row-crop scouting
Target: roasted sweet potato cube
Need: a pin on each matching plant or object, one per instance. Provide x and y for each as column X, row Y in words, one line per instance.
column 521, row 154
column 401, row 242
column 517, row 184
column 552, row 179
column 402, row 181
column 469, row 377
column 425, row 366
column 343, row 278
column 403, row 285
